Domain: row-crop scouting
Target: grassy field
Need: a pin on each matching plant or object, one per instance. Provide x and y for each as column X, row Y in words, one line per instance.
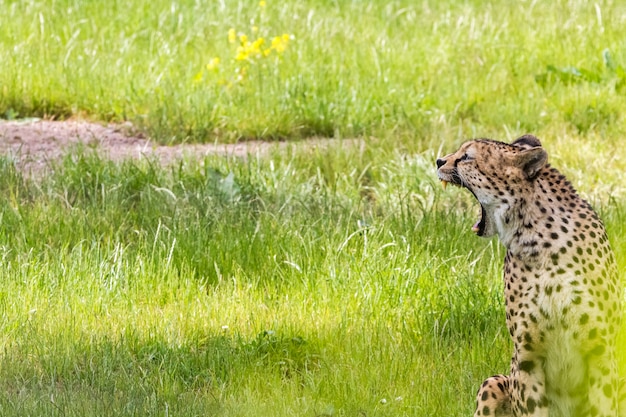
column 238, row 289
column 283, row 286
column 349, row 68
column 307, row 282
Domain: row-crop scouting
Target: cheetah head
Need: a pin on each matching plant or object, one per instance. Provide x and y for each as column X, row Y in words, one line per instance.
column 494, row 172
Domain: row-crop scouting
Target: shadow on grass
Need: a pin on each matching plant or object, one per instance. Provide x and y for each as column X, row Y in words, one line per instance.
column 142, row 375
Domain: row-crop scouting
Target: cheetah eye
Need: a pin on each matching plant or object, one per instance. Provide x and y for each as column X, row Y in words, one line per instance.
column 465, row 157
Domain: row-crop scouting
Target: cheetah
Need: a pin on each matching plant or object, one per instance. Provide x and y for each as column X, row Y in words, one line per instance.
column 561, row 288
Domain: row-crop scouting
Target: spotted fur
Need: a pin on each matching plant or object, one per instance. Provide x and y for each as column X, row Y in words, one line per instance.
column 560, row 283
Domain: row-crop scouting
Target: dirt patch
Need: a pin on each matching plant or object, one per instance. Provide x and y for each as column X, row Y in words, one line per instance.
column 33, row 144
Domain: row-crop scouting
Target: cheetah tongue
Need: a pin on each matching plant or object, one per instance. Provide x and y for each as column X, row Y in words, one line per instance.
column 479, row 226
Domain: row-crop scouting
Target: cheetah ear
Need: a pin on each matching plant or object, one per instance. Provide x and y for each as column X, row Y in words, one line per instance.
column 526, row 142
column 532, row 160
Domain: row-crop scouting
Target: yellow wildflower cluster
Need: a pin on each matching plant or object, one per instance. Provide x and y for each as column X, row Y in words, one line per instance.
column 247, row 51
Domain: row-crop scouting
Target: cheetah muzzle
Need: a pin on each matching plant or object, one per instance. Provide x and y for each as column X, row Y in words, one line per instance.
column 561, row 287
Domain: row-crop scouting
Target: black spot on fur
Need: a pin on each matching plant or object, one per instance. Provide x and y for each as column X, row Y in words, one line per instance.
column 527, row 366
column 584, row 319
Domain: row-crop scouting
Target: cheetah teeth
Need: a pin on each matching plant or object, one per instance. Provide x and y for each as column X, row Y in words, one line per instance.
column 444, row 184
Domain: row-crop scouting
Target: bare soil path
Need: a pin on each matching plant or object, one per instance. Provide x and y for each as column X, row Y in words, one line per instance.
column 35, row 143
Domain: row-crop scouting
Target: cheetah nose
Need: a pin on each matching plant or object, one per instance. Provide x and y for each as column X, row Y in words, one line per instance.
column 440, row 162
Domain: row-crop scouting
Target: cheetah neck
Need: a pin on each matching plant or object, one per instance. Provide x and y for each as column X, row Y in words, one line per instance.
column 523, row 223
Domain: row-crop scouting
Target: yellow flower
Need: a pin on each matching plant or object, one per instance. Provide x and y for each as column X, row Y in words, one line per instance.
column 242, row 54
column 213, row 64
column 243, row 38
column 256, row 46
column 279, row 44
column 232, row 35
column 262, row 3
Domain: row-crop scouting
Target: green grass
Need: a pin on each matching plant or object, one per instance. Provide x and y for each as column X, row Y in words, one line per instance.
column 336, row 281
column 238, row 289
column 464, row 68
column 286, row 285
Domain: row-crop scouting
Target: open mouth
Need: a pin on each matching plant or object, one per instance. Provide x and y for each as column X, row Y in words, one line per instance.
column 479, row 226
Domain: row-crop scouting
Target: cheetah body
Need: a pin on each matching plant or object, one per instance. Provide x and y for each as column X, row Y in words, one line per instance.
column 560, row 282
